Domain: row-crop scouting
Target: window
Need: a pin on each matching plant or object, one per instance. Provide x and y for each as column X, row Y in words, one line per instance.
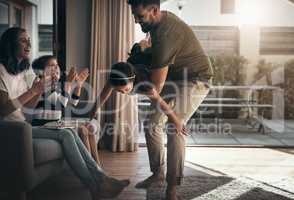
column 18, row 17
column 46, row 38
column 4, row 17
column 218, row 40
column 227, row 6
column 277, row 41
column 11, row 14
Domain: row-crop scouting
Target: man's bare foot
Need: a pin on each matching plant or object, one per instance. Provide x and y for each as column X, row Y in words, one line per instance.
column 110, row 188
column 155, row 178
column 171, row 193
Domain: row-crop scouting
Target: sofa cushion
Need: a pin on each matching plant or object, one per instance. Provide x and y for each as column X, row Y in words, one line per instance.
column 46, row 150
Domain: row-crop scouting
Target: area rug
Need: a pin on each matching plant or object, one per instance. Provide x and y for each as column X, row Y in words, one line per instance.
column 222, row 188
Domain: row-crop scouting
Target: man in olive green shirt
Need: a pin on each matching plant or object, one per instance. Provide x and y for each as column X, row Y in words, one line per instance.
column 180, row 72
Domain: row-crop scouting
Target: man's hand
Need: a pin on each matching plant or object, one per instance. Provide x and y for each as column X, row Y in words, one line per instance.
column 145, row 43
column 181, row 129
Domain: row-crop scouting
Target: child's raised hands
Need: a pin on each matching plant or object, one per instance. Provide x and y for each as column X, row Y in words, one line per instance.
column 82, row 76
column 71, row 75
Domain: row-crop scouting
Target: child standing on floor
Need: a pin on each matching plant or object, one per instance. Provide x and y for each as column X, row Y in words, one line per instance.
column 54, row 101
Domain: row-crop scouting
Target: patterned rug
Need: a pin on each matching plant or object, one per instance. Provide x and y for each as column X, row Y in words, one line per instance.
column 223, row 188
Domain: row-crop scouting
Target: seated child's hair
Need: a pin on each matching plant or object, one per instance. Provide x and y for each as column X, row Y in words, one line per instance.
column 121, row 74
column 41, row 62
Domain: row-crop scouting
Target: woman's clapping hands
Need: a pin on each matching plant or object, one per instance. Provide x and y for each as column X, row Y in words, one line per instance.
column 38, row 86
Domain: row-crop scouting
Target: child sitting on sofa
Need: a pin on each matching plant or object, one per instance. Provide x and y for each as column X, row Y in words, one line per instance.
column 53, row 102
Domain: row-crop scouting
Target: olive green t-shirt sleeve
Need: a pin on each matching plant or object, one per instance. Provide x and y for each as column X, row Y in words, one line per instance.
column 165, row 50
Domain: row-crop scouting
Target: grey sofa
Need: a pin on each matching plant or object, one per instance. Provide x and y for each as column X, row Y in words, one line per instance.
column 25, row 162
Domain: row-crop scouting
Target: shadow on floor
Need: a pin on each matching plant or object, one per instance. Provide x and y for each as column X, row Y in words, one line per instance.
column 204, row 186
column 261, row 194
column 65, row 186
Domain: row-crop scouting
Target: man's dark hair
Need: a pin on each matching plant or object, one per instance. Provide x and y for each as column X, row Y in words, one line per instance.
column 121, row 74
column 144, row 3
column 41, row 62
column 9, row 46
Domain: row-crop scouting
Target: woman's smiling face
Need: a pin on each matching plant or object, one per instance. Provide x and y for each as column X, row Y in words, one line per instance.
column 24, row 46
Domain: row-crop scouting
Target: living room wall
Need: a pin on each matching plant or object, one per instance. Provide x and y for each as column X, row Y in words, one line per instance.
column 78, row 33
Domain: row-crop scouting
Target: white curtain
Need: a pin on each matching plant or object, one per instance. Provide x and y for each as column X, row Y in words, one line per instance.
column 112, row 38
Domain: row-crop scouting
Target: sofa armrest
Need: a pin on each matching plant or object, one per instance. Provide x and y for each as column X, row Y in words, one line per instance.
column 16, row 156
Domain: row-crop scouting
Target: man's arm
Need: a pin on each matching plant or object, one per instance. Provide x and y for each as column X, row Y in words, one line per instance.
column 158, row 77
column 164, row 53
column 172, row 116
column 104, row 95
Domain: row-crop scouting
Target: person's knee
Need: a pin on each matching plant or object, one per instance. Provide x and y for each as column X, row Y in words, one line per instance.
column 83, row 132
column 92, row 135
column 175, row 140
column 66, row 135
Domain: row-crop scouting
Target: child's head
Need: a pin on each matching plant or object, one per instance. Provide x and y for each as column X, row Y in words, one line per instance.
column 122, row 77
column 47, row 66
column 140, row 55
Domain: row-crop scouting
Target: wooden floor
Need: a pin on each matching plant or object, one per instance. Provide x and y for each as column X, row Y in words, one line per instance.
column 131, row 165
column 259, row 164
column 256, row 163
column 134, row 166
